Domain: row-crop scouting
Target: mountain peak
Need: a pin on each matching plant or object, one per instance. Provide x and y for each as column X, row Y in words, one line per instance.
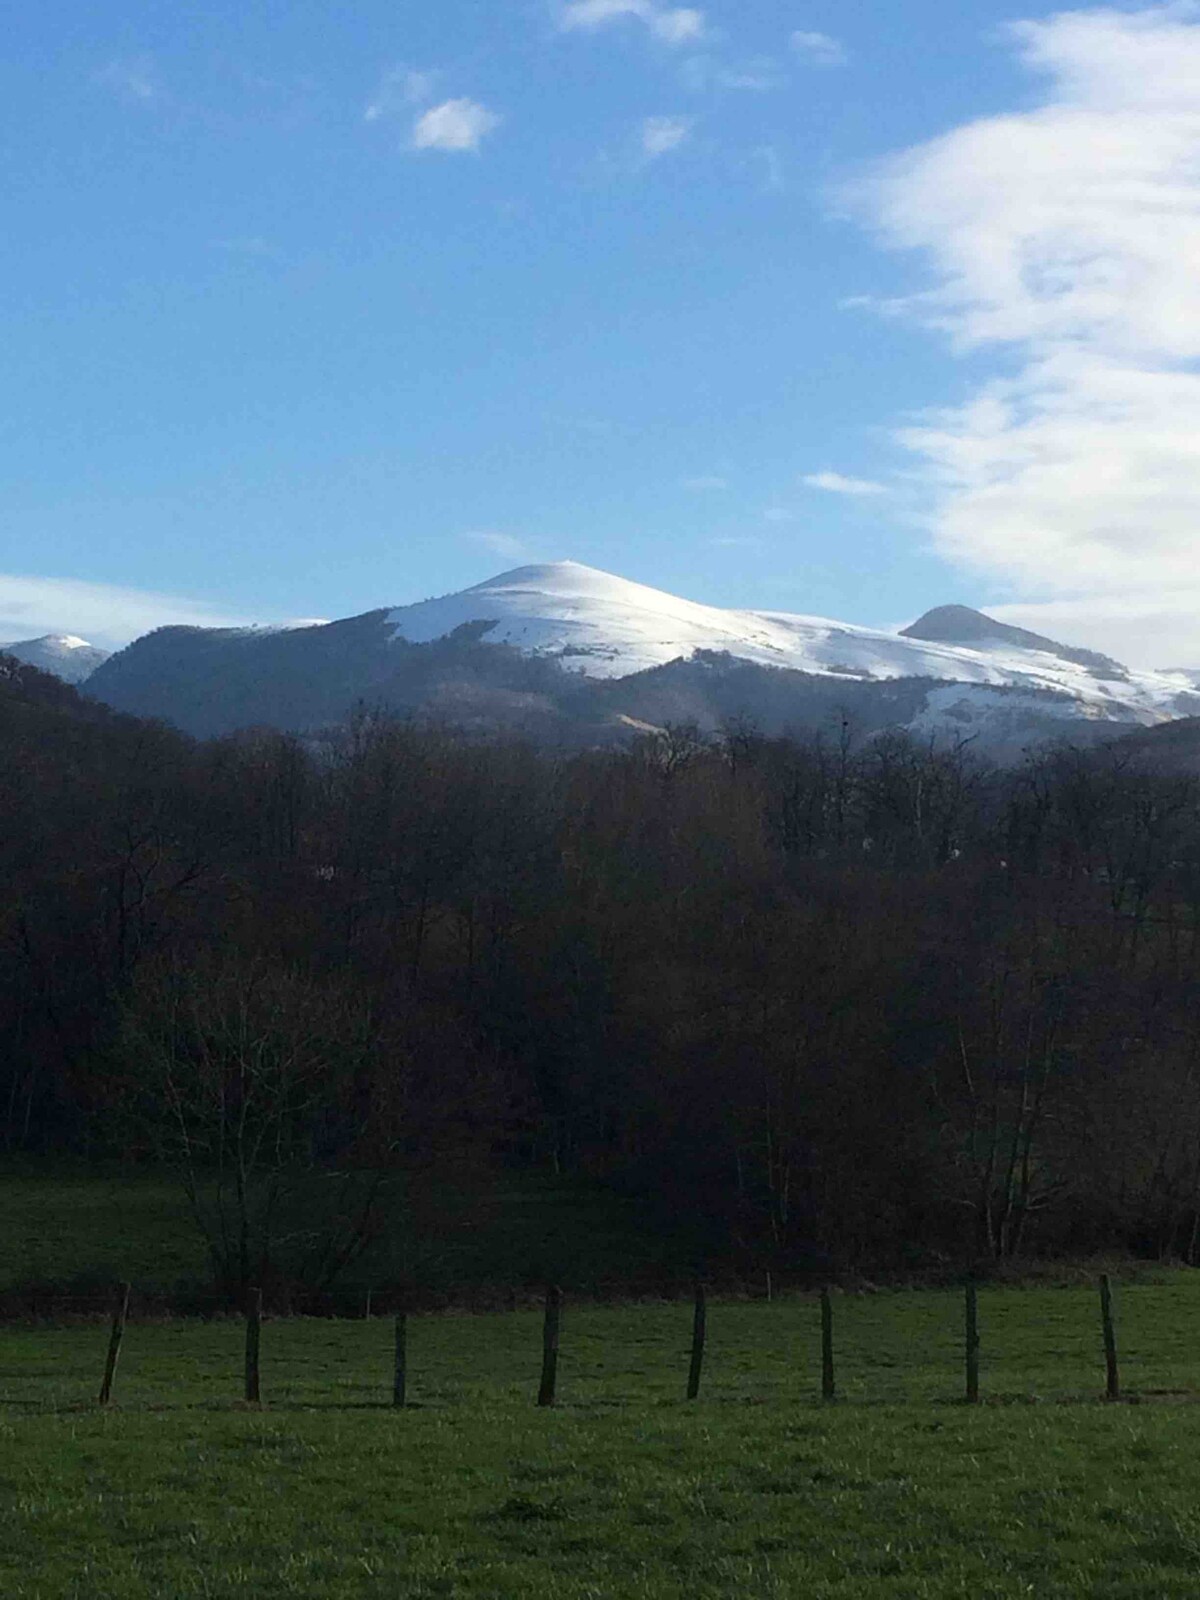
column 964, row 625
column 557, row 577
column 65, row 655
column 52, row 641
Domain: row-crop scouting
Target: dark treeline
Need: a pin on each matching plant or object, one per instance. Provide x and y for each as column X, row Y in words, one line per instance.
column 878, row 1006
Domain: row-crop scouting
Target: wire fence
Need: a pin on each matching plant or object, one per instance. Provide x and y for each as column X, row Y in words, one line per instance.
column 123, row 1307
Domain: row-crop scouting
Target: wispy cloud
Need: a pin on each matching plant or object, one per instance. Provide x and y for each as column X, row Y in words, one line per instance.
column 673, row 25
column 704, row 484
column 734, row 542
column 779, row 514
column 399, row 90
column 661, row 135
column 501, row 544
column 757, row 77
column 820, row 48
column 103, row 613
column 1068, row 235
column 455, row 125
column 702, row 73
column 838, row 483
column 133, row 79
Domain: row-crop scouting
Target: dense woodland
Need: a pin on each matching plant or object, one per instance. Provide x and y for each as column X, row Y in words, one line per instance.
column 846, row 1003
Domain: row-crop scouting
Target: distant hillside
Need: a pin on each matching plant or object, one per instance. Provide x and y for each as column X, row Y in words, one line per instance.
column 215, row 681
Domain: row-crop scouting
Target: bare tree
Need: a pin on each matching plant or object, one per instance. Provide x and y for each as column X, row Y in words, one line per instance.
column 241, row 1077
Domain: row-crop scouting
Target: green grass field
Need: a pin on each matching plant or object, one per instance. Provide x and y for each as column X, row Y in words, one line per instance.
column 756, row 1489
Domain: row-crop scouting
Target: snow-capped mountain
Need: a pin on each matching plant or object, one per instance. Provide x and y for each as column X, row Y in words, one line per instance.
column 63, row 654
column 608, row 627
column 567, row 653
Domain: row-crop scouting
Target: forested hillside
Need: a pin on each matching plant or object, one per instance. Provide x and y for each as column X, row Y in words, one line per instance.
column 877, row 1006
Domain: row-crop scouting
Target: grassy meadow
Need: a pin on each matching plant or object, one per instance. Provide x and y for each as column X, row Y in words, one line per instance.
column 624, row 1489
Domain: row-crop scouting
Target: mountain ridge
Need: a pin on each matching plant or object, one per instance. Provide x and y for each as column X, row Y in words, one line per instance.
column 610, row 627
column 568, row 653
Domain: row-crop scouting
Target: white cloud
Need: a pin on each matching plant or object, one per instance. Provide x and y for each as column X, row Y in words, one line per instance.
column 704, row 484
column 778, row 514
column 681, row 26
column 133, row 79
column 678, row 25
column 820, row 48
column 1144, row 628
column 838, row 483
column 102, row 613
column 735, row 543
column 502, row 544
column 399, row 89
column 1068, row 235
column 454, row 125
column 661, row 135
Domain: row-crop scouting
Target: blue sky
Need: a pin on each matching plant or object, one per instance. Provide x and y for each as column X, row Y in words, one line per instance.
column 313, row 308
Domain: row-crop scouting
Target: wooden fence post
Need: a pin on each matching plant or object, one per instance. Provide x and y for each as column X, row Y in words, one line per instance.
column 253, row 1343
column 972, row 1331
column 120, row 1312
column 1112, row 1389
column 828, row 1387
column 550, row 1346
column 699, row 1328
column 400, row 1369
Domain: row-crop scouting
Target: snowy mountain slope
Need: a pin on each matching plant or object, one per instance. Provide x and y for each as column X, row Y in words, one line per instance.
column 64, row 654
column 607, row 627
